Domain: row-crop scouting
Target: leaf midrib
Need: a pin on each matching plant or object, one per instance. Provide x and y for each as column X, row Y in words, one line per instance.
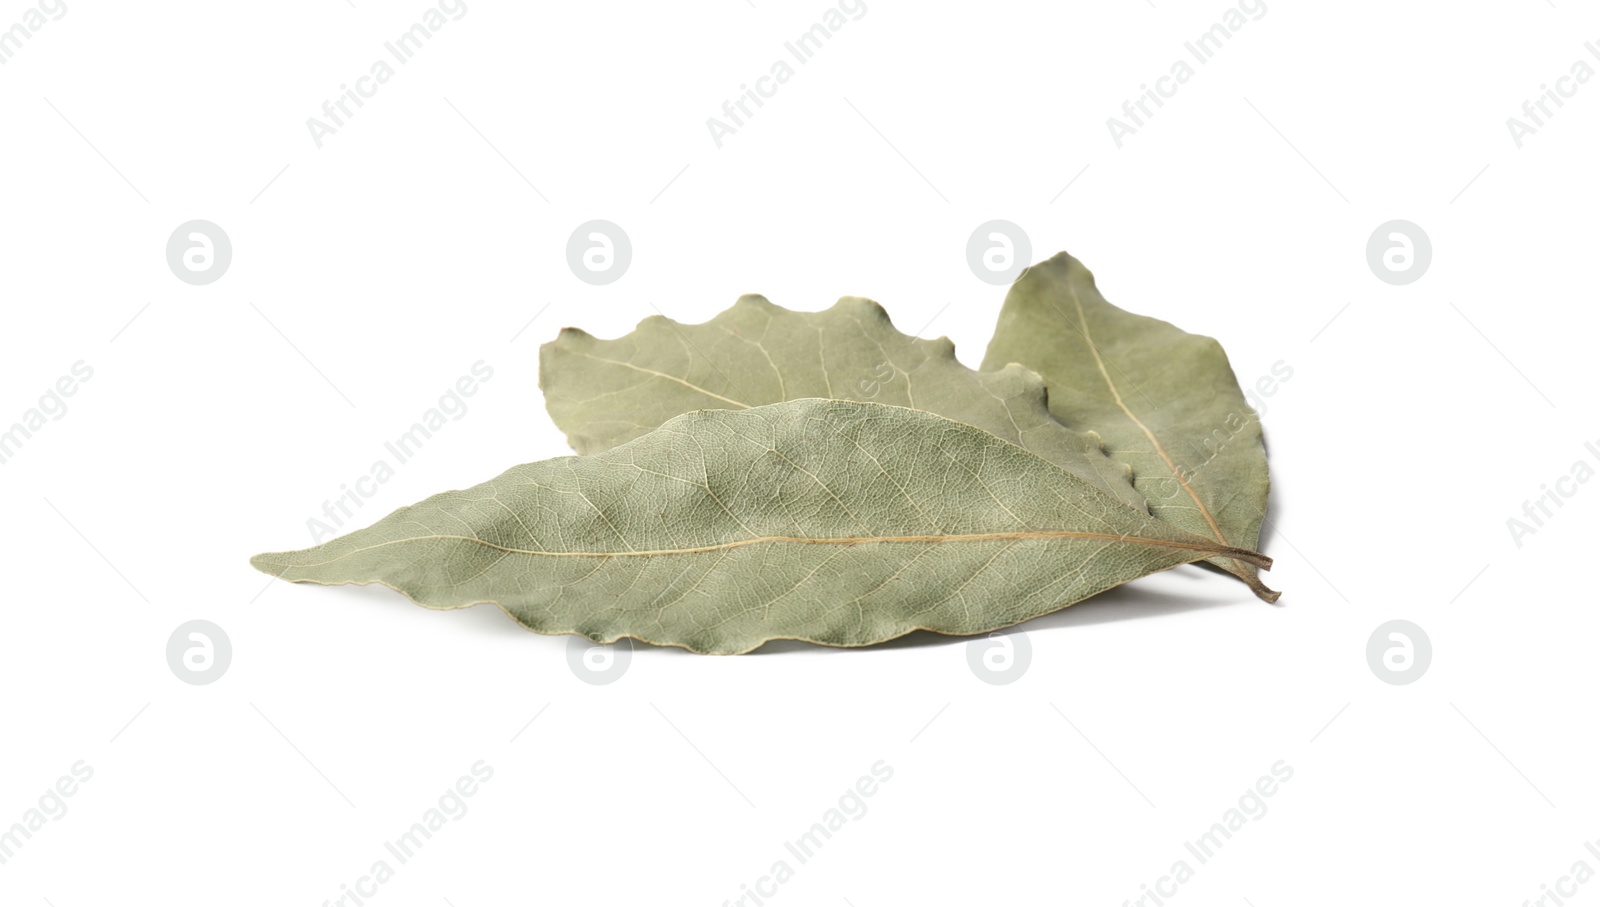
column 1218, row 549
column 1083, row 324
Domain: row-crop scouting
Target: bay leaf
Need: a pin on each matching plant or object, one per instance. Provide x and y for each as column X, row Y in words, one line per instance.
column 1165, row 401
column 829, row 521
column 606, row 392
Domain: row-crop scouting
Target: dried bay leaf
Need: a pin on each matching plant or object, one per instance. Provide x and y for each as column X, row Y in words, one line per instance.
column 829, row 521
column 605, row 392
column 1165, row 401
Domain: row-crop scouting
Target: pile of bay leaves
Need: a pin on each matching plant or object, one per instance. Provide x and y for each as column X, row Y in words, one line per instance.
column 823, row 477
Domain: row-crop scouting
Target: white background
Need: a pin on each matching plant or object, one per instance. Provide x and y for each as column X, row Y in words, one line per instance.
column 372, row 272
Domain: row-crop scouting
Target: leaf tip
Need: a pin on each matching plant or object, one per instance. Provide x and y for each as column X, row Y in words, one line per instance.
column 266, row 564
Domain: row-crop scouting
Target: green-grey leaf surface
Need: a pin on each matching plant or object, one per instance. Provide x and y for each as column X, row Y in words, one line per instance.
column 829, row 521
column 1165, row 401
column 605, row 392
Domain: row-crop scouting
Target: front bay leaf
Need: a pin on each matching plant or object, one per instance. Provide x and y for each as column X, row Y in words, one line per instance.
column 1166, row 402
column 605, row 392
column 829, row 521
